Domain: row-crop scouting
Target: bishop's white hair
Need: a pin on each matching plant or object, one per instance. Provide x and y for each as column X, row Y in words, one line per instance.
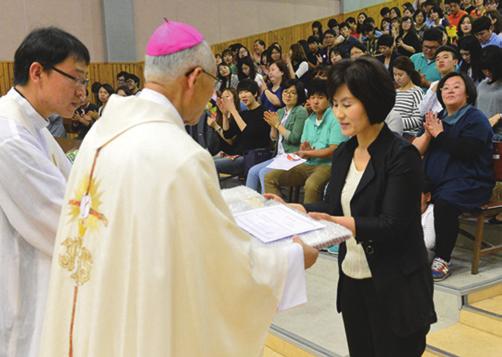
column 164, row 69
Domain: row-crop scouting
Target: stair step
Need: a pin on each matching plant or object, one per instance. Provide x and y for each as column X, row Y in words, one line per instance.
column 492, row 305
column 465, row 341
column 276, row 347
column 481, row 320
column 484, row 294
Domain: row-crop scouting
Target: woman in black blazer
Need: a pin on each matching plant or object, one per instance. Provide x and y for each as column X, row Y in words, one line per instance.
column 385, row 287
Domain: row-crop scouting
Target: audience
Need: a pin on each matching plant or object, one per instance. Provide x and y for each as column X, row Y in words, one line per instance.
column 226, row 79
column 104, row 93
column 321, row 135
column 464, row 27
column 286, row 128
column 407, row 42
column 470, row 52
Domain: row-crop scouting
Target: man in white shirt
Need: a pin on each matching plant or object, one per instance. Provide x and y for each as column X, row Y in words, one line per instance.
column 50, row 76
column 149, row 260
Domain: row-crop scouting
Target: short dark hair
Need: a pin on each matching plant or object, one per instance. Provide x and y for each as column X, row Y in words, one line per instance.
column 248, row 85
column 384, row 11
column 332, row 23
column 491, row 59
column 396, row 10
column 125, row 89
column 227, row 51
column 329, row 31
column 450, row 49
column 367, row 28
column 433, row 34
column 300, row 89
column 344, row 24
column 318, row 86
column 350, row 20
column 358, row 45
column 260, row 42
column 437, row 10
column 369, row 81
column 470, row 87
column 312, row 39
column 385, row 40
column 122, row 74
column 48, row 46
column 481, row 24
column 134, row 77
column 452, row 2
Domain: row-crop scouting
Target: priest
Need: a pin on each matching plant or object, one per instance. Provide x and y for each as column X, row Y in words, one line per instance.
column 50, row 76
column 148, row 259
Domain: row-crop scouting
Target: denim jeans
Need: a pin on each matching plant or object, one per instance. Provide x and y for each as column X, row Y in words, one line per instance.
column 229, row 166
column 256, row 176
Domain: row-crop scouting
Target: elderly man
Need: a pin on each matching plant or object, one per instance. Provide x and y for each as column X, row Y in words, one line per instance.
column 50, row 76
column 149, row 261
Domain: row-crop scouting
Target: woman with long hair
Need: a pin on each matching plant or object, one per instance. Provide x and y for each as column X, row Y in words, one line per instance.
column 247, row 69
column 226, row 79
column 409, row 95
column 105, row 90
column 464, row 27
column 470, row 51
column 297, row 61
column 408, row 42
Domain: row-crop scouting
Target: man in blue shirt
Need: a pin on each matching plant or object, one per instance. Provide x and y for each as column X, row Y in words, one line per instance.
column 482, row 29
column 425, row 61
column 321, row 136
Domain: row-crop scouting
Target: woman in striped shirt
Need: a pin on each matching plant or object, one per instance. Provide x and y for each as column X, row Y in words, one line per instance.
column 409, row 94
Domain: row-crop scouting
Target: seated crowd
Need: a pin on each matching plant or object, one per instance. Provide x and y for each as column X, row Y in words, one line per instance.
column 87, row 114
column 446, row 62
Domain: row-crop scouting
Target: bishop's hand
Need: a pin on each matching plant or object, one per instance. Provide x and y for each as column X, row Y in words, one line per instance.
column 310, row 254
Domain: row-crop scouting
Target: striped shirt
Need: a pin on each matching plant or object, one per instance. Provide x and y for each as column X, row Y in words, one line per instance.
column 407, row 104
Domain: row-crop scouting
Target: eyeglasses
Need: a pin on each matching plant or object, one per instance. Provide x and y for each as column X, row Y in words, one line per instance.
column 292, row 93
column 203, row 71
column 81, row 82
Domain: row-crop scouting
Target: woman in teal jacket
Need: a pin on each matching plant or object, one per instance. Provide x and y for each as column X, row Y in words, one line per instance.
column 286, row 126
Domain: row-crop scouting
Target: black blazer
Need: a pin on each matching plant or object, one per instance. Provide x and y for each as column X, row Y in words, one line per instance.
column 386, row 210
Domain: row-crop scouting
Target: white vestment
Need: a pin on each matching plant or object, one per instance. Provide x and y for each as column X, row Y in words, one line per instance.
column 33, row 172
column 148, row 259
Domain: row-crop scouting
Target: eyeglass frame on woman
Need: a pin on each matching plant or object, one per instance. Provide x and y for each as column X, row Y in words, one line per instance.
column 81, row 82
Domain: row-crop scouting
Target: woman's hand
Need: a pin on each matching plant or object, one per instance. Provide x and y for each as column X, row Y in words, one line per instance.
column 310, row 254
column 433, row 124
column 273, row 196
column 319, row 216
column 271, row 118
column 228, row 104
column 211, row 120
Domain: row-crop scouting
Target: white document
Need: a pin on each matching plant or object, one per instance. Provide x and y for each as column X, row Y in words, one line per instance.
column 272, row 223
column 286, row 162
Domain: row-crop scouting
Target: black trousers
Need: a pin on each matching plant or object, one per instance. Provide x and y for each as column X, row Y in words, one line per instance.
column 446, row 225
column 367, row 327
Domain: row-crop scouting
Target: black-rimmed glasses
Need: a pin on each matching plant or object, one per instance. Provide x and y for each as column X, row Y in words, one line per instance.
column 81, row 82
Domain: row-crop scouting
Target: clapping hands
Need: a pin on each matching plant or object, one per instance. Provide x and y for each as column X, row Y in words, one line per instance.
column 433, row 125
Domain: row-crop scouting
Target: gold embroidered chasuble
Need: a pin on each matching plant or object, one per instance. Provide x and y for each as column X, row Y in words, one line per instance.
column 148, row 260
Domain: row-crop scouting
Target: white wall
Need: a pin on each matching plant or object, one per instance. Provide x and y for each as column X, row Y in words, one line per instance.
column 82, row 18
column 223, row 20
